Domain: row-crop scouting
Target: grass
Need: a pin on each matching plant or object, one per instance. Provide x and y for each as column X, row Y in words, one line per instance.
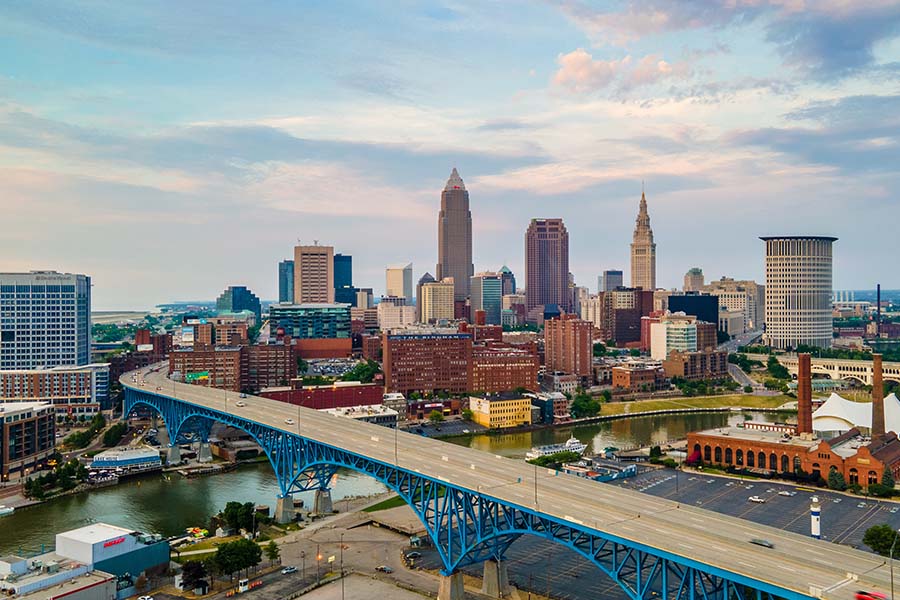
column 637, row 406
column 208, row 544
column 392, row 502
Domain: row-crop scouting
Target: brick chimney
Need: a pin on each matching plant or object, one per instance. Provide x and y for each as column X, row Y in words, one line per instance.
column 877, row 397
column 804, row 396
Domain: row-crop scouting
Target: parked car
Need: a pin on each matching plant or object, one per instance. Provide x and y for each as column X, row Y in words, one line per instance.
column 762, row 542
column 289, row 421
column 413, row 555
column 289, row 570
column 757, row 499
column 384, row 569
column 864, row 595
column 240, row 404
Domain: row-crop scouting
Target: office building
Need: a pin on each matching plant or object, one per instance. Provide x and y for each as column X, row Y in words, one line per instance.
column 703, row 306
column 236, row 368
column 643, row 251
column 547, row 264
column 27, row 437
column 502, row 368
column 673, row 332
column 344, row 292
column 286, row 281
column 398, row 282
column 237, row 298
column 707, row 336
column 313, row 274
column 72, row 391
column 455, row 237
column 426, row 362
column 639, row 377
column 798, row 291
column 426, row 278
column 711, row 364
column 741, row 295
column 365, row 298
column 509, row 280
column 303, row 321
column 507, row 409
column 395, row 316
column 693, row 280
column 45, row 320
column 435, row 301
column 486, row 293
column 568, row 345
column 610, row 280
column 731, row 322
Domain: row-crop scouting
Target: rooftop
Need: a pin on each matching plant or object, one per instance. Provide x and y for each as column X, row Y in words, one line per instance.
column 17, row 407
column 760, row 435
column 70, row 586
column 499, row 396
column 827, row 238
column 95, row 532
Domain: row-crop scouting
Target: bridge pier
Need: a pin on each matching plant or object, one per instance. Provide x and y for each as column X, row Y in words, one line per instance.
column 173, row 456
column 451, row 587
column 284, row 509
column 322, row 504
column 205, row 453
column 495, row 583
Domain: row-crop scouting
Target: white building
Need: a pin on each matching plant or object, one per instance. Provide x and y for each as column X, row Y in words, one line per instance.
column 391, row 316
column 399, row 282
column 436, row 303
column 673, row 332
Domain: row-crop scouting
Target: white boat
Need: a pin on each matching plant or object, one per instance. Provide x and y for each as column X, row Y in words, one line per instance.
column 572, row 444
column 6, row 510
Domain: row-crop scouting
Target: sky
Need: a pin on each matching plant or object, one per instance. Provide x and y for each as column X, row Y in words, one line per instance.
column 170, row 149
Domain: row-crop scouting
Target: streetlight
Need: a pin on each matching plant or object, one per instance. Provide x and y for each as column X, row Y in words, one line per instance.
column 318, row 558
column 342, row 566
column 893, row 544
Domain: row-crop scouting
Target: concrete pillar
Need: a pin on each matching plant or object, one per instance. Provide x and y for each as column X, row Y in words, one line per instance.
column 322, row 504
column 495, row 583
column 284, row 509
column 174, row 455
column 451, row 587
column 205, row 453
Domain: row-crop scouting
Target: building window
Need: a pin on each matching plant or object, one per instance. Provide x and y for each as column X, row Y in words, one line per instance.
column 739, row 457
column 785, row 463
column 707, row 453
column 854, row 476
column 718, row 455
column 728, row 460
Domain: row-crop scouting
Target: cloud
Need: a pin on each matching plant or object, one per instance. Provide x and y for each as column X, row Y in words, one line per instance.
column 580, row 73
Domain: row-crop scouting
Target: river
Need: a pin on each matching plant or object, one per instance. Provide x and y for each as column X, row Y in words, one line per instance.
column 167, row 506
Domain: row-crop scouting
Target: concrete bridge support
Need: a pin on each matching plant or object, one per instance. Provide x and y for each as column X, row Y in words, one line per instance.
column 322, row 504
column 173, row 456
column 205, row 453
column 284, row 509
column 451, row 587
column 495, row 583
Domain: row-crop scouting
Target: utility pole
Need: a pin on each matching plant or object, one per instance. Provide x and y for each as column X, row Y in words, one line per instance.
column 342, row 566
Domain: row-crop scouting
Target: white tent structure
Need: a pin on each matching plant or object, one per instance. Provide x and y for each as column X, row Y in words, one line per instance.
column 839, row 414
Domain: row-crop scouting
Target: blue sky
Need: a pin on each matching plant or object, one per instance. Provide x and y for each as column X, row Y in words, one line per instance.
column 170, row 149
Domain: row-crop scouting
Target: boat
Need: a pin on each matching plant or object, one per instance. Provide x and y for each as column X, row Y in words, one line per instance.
column 6, row 510
column 572, row 444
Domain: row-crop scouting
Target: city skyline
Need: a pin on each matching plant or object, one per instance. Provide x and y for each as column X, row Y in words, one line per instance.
column 739, row 116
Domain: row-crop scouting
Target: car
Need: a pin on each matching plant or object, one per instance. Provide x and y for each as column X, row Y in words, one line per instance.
column 837, row 500
column 762, row 542
column 384, row 569
column 413, row 555
column 289, row 421
column 894, row 509
column 861, row 505
column 240, row 404
column 864, row 595
column 757, row 499
column 785, row 493
column 749, row 487
column 288, row 570
column 146, row 598
column 243, row 395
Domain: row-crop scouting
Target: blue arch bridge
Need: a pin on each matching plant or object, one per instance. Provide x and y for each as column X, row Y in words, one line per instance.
column 475, row 505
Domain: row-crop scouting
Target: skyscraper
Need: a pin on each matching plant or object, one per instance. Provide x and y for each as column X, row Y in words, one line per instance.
column 344, row 292
column 426, row 278
column 509, row 280
column 45, row 320
column 398, row 282
column 547, row 264
column 286, row 281
column 643, row 251
column 693, row 280
column 313, row 274
column 435, row 301
column 610, row 280
column 486, row 291
column 455, row 237
column 237, row 298
column 798, row 291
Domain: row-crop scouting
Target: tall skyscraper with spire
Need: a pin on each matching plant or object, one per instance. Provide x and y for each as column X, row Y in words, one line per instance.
column 455, row 237
column 643, row 250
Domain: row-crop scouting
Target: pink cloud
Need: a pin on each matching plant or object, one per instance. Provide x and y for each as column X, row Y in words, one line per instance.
column 580, row 73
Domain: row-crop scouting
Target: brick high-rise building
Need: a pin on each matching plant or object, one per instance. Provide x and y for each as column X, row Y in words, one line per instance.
column 502, row 369
column 455, row 237
column 212, row 367
column 568, row 345
column 426, row 362
column 643, row 251
column 547, row 264
column 313, row 274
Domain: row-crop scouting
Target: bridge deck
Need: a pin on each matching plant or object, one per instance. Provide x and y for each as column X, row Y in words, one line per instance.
column 795, row 563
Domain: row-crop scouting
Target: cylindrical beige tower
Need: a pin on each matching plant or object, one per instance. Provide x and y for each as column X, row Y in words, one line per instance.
column 798, row 291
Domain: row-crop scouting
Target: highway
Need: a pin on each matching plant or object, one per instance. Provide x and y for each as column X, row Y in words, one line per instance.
column 795, row 563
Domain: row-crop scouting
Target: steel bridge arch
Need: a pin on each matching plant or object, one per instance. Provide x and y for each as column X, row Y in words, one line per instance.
column 468, row 527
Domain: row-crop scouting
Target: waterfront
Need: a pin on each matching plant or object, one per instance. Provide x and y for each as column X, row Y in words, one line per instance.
column 167, row 506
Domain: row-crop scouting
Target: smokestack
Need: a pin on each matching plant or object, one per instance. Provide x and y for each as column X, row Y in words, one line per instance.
column 878, row 310
column 804, row 395
column 877, row 397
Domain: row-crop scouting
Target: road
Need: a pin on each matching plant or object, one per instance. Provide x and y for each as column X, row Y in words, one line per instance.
column 744, row 339
column 795, row 563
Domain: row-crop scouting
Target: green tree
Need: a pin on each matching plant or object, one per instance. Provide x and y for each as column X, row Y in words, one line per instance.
column 584, row 405
column 302, row 365
column 748, row 389
column 467, row 414
column 239, row 515
column 600, row 349
column 607, row 395
column 363, row 372
column 887, row 478
column 635, row 352
column 880, row 538
column 436, row 417
column 193, row 573
column 235, row 556
column 272, row 551
column 776, row 369
column 553, row 460
column 836, row 480
column 655, row 452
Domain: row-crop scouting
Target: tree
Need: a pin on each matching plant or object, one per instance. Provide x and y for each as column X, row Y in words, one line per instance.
column 467, row 414
column 272, row 552
column 302, row 365
column 584, row 405
column 239, row 515
column 655, row 452
column 836, row 480
column 363, row 372
column 607, row 395
column 599, row 349
column 635, row 352
column 880, row 538
column 776, row 369
column 748, row 389
column 235, row 556
column 436, row 417
column 193, row 573
column 887, row 478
